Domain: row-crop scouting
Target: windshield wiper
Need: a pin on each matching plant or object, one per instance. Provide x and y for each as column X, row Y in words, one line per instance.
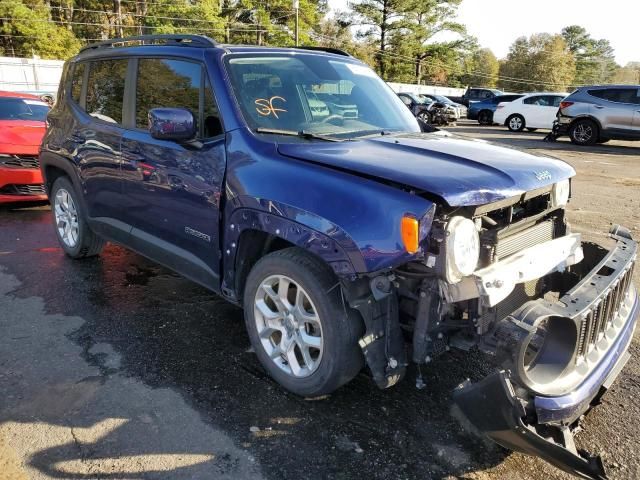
column 300, row 133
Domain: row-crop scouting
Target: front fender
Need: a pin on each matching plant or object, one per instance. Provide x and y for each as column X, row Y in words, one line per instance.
column 360, row 215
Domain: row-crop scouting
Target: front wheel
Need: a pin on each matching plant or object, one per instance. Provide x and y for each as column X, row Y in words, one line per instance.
column 424, row 116
column 583, row 132
column 74, row 235
column 515, row 123
column 298, row 324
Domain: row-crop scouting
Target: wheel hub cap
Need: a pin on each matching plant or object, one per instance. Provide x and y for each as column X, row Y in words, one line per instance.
column 288, row 326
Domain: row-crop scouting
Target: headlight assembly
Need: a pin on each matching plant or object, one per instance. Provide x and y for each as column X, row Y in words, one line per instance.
column 560, row 193
column 462, row 248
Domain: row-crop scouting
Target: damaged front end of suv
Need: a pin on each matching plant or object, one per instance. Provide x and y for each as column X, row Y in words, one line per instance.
column 555, row 313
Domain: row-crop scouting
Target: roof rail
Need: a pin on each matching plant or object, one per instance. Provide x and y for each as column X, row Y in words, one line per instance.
column 337, row 51
column 146, row 40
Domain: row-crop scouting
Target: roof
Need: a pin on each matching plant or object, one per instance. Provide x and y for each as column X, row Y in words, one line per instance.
column 4, row 93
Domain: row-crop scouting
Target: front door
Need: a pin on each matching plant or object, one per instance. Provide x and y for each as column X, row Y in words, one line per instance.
column 173, row 190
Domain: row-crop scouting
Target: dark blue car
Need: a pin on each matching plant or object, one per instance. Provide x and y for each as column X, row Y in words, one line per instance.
column 296, row 184
column 483, row 111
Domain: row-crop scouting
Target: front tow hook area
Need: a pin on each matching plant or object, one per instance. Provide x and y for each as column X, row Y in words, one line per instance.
column 493, row 408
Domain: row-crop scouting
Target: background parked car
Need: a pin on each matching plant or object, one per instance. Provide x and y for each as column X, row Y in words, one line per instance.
column 22, row 126
column 531, row 111
column 418, row 106
column 461, row 110
column 474, row 94
column 483, row 111
column 601, row 113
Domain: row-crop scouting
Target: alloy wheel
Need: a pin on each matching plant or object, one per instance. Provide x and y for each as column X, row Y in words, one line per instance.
column 66, row 218
column 288, row 325
column 583, row 132
column 515, row 123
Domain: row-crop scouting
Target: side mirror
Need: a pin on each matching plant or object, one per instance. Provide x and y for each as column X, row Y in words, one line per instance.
column 176, row 124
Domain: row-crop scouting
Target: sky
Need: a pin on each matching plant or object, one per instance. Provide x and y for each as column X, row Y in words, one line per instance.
column 497, row 23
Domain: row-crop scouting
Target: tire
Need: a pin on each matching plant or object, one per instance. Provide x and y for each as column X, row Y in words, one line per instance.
column 515, row 123
column 485, row 117
column 68, row 217
column 336, row 357
column 424, row 116
column 531, row 129
column 584, row 132
column 603, row 140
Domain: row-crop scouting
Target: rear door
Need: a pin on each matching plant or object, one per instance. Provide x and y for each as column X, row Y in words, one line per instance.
column 173, row 190
column 98, row 89
column 615, row 108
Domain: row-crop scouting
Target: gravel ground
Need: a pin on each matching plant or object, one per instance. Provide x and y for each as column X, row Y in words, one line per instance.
column 117, row 368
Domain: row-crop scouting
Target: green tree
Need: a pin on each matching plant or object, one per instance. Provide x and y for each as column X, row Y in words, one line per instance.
column 628, row 75
column 31, row 32
column 595, row 59
column 481, row 69
column 542, row 62
column 380, row 19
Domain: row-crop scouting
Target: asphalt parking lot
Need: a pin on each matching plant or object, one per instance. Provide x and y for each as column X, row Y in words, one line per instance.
column 117, row 368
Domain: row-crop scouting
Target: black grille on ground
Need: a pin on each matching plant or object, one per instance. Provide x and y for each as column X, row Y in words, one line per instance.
column 16, row 189
column 20, row 161
column 596, row 321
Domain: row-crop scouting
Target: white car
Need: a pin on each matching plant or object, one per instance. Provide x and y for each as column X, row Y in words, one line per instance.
column 532, row 111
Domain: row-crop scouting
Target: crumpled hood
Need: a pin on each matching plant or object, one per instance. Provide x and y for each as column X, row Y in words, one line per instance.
column 462, row 171
column 21, row 137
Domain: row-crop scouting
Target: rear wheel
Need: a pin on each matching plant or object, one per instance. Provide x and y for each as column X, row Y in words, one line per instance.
column 298, row 324
column 583, row 132
column 75, row 237
column 485, row 117
column 515, row 123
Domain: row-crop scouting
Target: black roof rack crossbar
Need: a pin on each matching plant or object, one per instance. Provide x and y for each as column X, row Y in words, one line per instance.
column 337, row 51
column 175, row 40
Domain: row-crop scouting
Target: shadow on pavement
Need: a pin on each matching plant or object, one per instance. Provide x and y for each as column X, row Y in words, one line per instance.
column 156, row 376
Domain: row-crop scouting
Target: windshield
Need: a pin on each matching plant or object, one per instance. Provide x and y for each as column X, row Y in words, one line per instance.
column 315, row 94
column 442, row 99
column 23, row 109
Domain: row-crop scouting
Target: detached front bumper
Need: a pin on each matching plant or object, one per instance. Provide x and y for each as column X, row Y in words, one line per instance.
column 532, row 405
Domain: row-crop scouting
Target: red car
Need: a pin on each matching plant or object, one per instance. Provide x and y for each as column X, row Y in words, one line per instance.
column 22, row 126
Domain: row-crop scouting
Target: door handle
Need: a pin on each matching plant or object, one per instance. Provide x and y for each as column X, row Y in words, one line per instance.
column 599, row 107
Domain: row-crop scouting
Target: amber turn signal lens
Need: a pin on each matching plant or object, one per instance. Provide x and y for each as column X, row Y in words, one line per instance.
column 409, row 228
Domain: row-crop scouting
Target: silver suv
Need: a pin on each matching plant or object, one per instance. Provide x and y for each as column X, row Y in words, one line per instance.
column 598, row 114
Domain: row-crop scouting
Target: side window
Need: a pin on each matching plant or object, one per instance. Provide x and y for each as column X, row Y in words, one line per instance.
column 105, row 89
column 535, row 100
column 406, row 100
column 486, row 94
column 627, row 95
column 166, row 83
column 556, row 101
column 76, row 81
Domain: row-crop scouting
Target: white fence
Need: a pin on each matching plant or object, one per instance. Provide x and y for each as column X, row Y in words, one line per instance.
column 433, row 90
column 30, row 74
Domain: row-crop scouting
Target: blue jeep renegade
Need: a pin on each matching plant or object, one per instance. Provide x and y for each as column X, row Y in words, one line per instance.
column 295, row 183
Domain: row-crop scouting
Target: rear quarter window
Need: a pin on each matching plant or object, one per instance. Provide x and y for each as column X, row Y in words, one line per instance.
column 77, row 78
column 105, row 89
